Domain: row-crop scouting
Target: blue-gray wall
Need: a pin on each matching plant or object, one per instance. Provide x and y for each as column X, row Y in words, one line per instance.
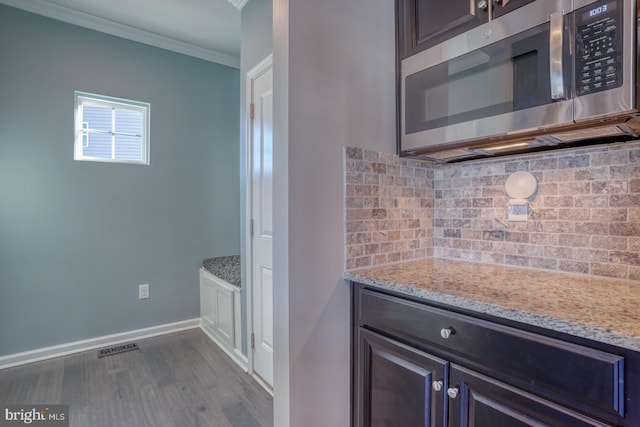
column 255, row 45
column 77, row 238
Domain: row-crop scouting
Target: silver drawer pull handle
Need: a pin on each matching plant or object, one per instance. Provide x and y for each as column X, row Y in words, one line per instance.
column 446, row 332
column 453, row 392
column 437, row 385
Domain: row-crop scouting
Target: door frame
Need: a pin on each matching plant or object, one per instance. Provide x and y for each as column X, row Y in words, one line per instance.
column 252, row 75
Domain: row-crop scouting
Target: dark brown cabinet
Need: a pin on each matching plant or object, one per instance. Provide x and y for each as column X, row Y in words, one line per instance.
column 425, row 23
column 415, row 364
column 480, row 401
column 396, row 383
column 501, row 7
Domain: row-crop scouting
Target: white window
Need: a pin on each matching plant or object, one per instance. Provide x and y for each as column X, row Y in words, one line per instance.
column 111, row 129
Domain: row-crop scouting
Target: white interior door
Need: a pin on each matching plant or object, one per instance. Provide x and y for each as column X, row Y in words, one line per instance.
column 262, row 222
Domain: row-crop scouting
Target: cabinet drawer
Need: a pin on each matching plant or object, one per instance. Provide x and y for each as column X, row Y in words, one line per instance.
column 581, row 377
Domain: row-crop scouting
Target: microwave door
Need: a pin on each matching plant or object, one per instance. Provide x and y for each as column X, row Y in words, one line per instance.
column 605, row 60
column 497, row 89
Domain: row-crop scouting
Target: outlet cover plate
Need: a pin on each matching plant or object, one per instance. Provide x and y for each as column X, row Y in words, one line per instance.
column 518, row 213
column 143, row 291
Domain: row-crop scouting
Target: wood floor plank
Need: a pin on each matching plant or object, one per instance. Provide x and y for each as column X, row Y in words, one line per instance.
column 239, row 416
column 156, row 363
column 180, row 379
column 73, row 381
column 5, row 389
column 100, row 394
column 49, row 381
column 23, row 385
column 196, row 409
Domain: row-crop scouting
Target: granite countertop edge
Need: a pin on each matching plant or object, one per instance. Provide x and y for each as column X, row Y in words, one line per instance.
column 226, row 268
column 546, row 322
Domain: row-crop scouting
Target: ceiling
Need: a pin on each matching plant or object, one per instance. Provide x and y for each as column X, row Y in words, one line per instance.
column 206, row 29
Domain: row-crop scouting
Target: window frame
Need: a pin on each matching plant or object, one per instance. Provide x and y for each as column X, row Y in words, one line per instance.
column 81, row 135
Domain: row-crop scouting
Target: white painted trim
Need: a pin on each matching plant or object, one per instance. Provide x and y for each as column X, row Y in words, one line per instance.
column 263, row 384
column 235, row 355
column 252, row 74
column 95, row 23
column 256, row 71
column 218, row 281
column 45, row 353
column 239, row 4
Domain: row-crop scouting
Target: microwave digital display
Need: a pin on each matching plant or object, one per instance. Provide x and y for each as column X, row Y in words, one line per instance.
column 603, row 8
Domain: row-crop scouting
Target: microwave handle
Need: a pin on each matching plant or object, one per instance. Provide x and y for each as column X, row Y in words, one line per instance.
column 556, row 31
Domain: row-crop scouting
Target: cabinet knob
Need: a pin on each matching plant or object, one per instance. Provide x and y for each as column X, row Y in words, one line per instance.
column 497, row 1
column 446, row 332
column 453, row 392
column 483, row 4
column 437, row 385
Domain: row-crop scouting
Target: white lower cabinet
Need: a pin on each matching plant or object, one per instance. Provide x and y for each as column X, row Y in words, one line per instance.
column 220, row 314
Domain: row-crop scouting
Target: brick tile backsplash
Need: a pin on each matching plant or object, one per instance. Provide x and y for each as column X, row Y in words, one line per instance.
column 389, row 208
column 584, row 218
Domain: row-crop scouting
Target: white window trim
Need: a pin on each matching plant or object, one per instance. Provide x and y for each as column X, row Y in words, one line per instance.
column 85, row 98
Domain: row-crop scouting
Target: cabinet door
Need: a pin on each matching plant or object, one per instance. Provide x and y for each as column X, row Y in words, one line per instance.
column 479, row 401
column 425, row 23
column 395, row 384
column 224, row 316
column 500, row 7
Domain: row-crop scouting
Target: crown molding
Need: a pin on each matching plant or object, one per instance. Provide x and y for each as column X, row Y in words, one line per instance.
column 239, row 4
column 102, row 25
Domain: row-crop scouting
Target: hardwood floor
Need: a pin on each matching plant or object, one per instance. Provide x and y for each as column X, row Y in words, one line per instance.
column 180, row 379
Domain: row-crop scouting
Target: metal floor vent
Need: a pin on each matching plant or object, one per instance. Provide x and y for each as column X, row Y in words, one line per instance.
column 117, row 349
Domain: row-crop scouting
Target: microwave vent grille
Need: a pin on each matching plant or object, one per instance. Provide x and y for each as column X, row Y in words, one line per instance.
column 449, row 154
column 592, row 133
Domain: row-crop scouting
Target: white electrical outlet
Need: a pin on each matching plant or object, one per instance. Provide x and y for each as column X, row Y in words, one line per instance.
column 518, row 212
column 143, row 291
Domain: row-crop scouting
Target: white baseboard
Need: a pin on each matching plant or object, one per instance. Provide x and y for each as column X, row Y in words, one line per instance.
column 37, row 355
column 235, row 355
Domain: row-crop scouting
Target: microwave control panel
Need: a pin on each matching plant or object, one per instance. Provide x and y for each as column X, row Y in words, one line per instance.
column 598, row 47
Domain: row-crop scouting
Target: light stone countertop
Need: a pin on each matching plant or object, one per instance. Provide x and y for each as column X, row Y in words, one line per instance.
column 597, row 308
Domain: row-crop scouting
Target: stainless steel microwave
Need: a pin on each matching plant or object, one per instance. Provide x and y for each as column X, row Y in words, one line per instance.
column 552, row 73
